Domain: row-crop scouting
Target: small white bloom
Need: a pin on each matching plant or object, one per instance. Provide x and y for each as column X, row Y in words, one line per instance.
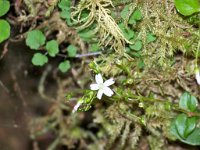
column 197, row 74
column 76, row 107
column 102, row 87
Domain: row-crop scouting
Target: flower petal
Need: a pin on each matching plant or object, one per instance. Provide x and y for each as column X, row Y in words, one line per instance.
column 99, row 94
column 76, row 107
column 107, row 91
column 109, row 82
column 98, row 78
column 94, row 87
column 197, row 74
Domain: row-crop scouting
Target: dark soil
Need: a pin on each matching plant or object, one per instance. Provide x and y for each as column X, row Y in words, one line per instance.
column 19, row 101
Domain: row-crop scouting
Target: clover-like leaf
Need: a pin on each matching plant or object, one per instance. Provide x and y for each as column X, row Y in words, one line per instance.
column 188, row 102
column 35, row 39
column 136, row 46
column 187, row 7
column 39, row 59
column 52, row 48
column 4, row 7
column 71, row 51
column 64, row 66
column 4, row 30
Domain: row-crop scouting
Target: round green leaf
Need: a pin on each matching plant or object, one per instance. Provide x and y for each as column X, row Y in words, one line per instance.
column 4, row 7
column 136, row 46
column 35, row 39
column 191, row 133
column 187, row 7
column 188, row 102
column 4, row 30
column 64, row 66
column 52, row 48
column 185, row 125
column 71, row 50
column 39, row 59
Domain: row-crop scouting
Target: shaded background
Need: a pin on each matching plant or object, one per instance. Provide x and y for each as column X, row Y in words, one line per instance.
column 19, row 98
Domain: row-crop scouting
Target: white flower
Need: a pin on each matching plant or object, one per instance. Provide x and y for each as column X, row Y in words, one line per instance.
column 102, row 87
column 197, row 74
column 76, row 106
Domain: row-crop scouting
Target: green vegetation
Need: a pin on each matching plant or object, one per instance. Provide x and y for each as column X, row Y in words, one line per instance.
column 187, row 7
column 147, row 49
column 4, row 25
column 185, row 126
column 35, row 39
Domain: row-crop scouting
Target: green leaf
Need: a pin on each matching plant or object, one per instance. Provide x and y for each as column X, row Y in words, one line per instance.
column 52, row 48
column 94, row 47
column 71, row 51
column 136, row 16
column 187, row 7
column 35, row 39
column 136, row 54
column 39, row 59
column 4, row 30
column 190, row 126
column 180, row 123
column 141, row 64
column 4, row 7
column 127, row 49
column 64, row 4
column 125, row 12
column 64, row 66
column 65, row 14
column 188, row 132
column 150, row 37
column 136, row 46
column 128, row 33
column 185, row 125
column 188, row 102
column 88, row 33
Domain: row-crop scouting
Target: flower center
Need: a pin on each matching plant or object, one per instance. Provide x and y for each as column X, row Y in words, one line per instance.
column 101, row 86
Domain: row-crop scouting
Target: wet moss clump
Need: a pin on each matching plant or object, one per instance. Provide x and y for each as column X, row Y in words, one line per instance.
column 150, row 50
